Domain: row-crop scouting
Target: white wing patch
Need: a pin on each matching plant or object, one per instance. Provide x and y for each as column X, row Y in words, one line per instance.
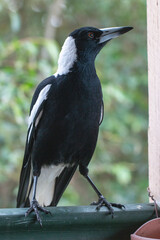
column 42, row 96
column 102, row 113
column 67, row 56
column 46, row 184
column 29, row 134
column 38, row 118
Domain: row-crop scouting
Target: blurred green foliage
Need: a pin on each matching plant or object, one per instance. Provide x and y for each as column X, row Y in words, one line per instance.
column 119, row 166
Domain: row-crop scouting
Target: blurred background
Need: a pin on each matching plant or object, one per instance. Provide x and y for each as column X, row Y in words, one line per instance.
column 31, row 35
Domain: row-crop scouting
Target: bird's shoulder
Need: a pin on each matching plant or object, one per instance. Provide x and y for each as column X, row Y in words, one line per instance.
column 42, row 86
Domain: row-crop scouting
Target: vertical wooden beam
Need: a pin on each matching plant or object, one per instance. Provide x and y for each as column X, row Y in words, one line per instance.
column 153, row 40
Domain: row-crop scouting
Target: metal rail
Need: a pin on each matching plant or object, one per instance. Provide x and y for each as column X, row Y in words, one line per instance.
column 78, row 223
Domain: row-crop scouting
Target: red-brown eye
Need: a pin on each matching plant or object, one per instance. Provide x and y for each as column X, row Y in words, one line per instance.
column 91, row 35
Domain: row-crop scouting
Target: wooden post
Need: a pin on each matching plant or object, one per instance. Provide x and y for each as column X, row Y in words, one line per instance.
column 153, row 36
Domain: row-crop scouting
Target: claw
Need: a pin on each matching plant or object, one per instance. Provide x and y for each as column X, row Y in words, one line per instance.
column 118, row 205
column 35, row 207
column 103, row 202
column 94, row 203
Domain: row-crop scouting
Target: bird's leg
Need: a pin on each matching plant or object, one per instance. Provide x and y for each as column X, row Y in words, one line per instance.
column 34, row 205
column 101, row 201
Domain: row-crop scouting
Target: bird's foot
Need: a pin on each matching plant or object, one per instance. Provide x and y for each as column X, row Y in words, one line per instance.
column 118, row 205
column 34, row 206
column 103, row 202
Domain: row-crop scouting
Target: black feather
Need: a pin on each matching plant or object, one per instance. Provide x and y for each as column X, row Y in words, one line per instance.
column 61, row 183
column 25, row 182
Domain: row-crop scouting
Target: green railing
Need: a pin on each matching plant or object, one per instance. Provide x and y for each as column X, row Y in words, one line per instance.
column 78, row 223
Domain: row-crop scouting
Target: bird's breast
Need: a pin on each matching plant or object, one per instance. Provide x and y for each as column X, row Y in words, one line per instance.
column 70, row 122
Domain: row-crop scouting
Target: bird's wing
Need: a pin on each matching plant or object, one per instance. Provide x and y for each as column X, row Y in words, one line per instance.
column 102, row 113
column 36, row 112
column 62, row 182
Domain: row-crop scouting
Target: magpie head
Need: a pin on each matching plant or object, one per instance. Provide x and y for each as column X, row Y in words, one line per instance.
column 84, row 44
column 89, row 40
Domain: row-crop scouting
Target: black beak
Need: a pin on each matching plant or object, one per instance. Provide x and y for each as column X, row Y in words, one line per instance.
column 113, row 32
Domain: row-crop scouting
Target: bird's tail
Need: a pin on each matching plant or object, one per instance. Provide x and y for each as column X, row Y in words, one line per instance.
column 62, row 182
column 25, row 185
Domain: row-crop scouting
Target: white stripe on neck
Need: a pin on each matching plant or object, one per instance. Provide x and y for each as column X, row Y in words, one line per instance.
column 67, row 56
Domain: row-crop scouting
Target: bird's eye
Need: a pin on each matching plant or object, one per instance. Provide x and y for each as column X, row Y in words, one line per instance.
column 91, row 35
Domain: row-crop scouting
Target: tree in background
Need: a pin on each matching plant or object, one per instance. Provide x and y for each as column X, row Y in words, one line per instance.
column 32, row 32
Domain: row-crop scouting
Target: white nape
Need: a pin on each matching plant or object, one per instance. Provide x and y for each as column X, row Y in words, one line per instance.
column 67, row 56
column 42, row 96
column 46, row 184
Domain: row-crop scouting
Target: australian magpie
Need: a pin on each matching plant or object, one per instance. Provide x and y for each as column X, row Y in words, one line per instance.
column 65, row 114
